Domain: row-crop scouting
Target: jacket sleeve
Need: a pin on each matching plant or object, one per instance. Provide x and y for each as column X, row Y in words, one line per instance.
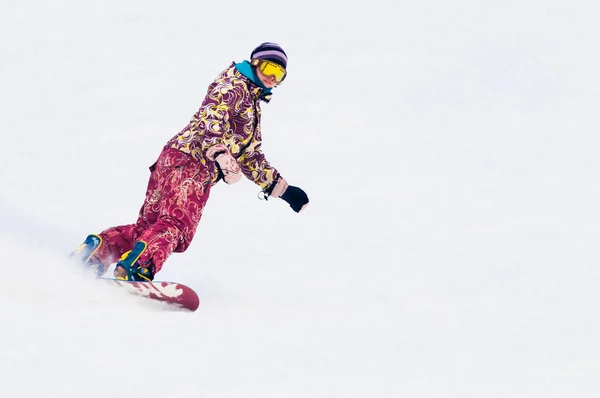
column 255, row 166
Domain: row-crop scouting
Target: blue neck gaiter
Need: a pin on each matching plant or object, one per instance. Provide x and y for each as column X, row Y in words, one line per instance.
column 246, row 69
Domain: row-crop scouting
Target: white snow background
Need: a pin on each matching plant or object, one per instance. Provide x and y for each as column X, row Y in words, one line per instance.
column 451, row 154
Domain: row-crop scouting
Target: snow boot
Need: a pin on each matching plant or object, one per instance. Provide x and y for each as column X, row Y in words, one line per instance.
column 129, row 268
column 83, row 255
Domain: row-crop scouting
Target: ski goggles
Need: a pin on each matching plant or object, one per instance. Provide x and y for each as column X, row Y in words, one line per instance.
column 269, row 68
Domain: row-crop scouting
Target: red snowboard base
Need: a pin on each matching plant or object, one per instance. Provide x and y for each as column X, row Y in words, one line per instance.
column 178, row 296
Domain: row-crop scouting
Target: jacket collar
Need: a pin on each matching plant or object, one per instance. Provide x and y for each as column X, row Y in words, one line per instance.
column 245, row 69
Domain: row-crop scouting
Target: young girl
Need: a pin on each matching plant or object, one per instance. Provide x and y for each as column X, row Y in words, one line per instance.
column 221, row 142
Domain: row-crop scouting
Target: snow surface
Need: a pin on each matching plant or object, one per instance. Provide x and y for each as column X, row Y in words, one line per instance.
column 450, row 152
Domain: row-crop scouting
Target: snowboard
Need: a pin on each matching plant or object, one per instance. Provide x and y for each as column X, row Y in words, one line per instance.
column 176, row 295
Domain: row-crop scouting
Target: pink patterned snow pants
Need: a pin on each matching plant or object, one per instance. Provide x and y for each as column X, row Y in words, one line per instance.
column 178, row 189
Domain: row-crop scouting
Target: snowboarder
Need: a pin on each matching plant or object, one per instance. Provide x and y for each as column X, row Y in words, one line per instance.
column 221, row 142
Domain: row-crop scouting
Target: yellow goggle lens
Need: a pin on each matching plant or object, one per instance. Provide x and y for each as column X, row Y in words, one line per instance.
column 269, row 68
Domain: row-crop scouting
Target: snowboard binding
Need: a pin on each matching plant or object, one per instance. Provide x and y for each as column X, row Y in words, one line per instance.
column 130, row 269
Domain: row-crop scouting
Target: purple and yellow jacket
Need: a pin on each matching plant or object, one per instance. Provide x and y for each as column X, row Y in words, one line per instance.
column 229, row 116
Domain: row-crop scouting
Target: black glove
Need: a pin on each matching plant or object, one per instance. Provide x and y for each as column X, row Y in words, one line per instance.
column 296, row 197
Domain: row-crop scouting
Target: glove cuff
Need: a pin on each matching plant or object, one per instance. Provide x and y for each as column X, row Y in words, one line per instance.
column 278, row 187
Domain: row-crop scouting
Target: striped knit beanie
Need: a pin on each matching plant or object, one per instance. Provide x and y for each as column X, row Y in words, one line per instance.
column 270, row 52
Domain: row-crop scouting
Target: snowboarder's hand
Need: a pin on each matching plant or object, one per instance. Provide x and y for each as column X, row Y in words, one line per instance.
column 296, row 197
column 226, row 163
column 230, row 168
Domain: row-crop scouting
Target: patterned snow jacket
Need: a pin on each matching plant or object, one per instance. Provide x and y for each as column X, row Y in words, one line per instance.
column 230, row 116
